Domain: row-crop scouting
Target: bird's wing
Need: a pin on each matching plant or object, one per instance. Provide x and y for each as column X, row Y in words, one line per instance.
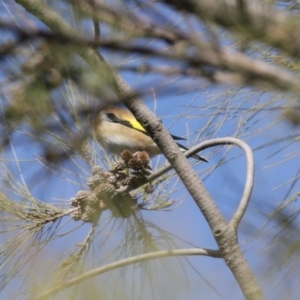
column 134, row 124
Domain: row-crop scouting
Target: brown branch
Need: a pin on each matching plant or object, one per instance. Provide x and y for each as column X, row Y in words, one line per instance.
column 126, row 262
column 229, row 68
column 255, row 20
column 223, row 233
column 234, row 222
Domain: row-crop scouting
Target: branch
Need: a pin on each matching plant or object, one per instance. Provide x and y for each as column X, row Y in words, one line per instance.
column 244, row 70
column 238, row 215
column 126, row 262
column 223, row 233
column 255, row 19
column 130, row 22
column 214, row 75
column 234, row 222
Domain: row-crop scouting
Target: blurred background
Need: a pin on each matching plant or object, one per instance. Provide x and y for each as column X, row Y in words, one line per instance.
column 207, row 71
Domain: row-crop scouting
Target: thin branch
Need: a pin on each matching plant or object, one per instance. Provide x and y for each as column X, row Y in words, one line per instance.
column 96, row 31
column 95, row 22
column 126, row 262
column 225, row 235
column 130, row 22
column 234, row 222
column 244, row 70
column 214, row 75
column 255, row 19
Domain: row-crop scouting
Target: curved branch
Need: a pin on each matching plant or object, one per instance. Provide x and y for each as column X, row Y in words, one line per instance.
column 126, row 262
column 234, row 222
column 225, row 235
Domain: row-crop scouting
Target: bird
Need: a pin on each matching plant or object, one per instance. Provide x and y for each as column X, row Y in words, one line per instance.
column 117, row 130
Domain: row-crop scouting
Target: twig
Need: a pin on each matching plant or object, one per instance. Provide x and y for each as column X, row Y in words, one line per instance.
column 224, row 234
column 126, row 262
column 234, row 222
column 256, row 19
column 241, row 69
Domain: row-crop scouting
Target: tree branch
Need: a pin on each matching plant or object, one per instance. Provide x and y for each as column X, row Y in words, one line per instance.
column 126, row 262
column 234, row 222
column 245, row 70
column 223, row 233
column 255, row 20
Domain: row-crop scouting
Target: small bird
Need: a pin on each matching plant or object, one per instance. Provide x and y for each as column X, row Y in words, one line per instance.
column 117, row 130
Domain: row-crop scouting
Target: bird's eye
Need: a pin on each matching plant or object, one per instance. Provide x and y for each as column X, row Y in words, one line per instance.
column 112, row 117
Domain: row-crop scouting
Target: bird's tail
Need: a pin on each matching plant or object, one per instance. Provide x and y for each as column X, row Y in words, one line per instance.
column 196, row 156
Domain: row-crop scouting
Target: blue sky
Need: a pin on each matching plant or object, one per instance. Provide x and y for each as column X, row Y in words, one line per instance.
column 186, row 106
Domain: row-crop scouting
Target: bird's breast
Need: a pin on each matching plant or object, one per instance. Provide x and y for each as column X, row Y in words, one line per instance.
column 116, row 138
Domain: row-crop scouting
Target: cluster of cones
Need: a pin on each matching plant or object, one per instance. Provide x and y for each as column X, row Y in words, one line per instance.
column 131, row 171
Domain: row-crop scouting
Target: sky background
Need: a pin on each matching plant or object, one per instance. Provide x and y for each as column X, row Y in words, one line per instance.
column 198, row 110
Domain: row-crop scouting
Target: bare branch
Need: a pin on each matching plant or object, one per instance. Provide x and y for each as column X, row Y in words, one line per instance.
column 238, row 215
column 256, row 19
column 249, row 176
column 126, row 262
column 224, row 234
column 244, row 70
